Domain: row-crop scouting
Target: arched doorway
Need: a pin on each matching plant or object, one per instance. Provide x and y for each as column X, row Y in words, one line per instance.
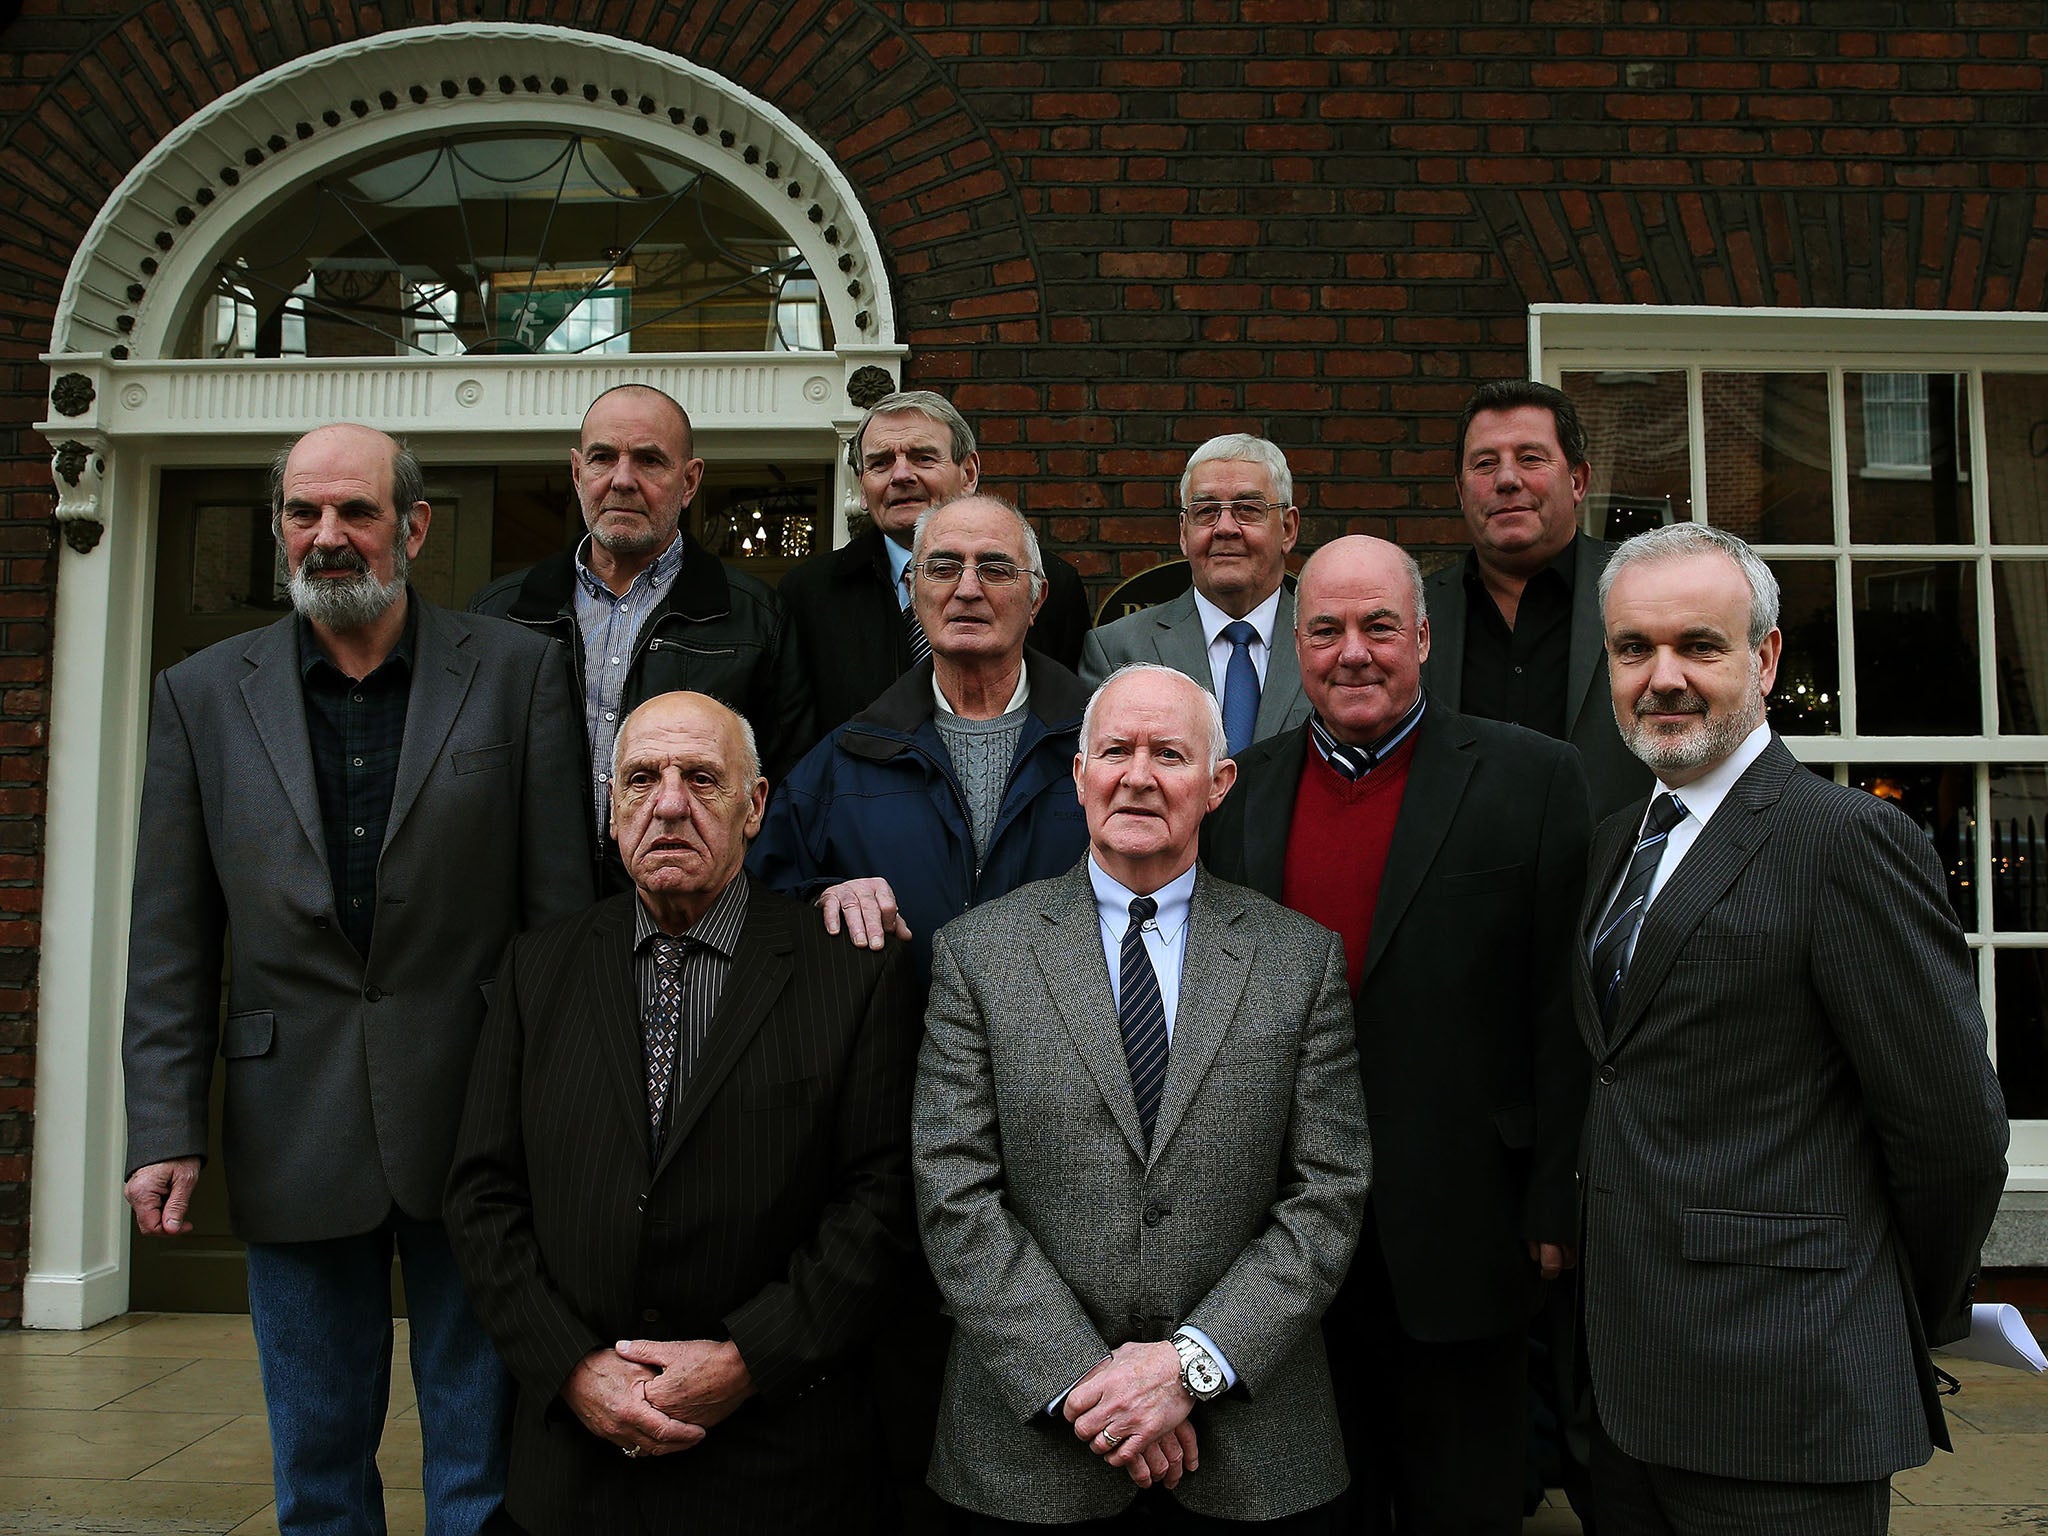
column 173, row 370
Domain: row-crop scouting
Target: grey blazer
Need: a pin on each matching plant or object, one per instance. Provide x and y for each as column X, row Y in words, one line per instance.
column 1795, row 1142
column 1614, row 775
column 345, row 1073
column 1054, row 1237
column 1171, row 635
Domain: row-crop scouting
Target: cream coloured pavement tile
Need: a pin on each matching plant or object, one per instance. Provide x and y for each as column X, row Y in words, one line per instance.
column 1985, row 1469
column 1553, row 1517
column 405, row 1514
column 66, row 1381
column 227, row 1387
column 262, row 1523
column 92, row 1504
column 68, row 1443
column 398, row 1457
column 2020, row 1409
column 187, row 1335
column 66, row 1341
column 236, row 1452
column 1969, row 1519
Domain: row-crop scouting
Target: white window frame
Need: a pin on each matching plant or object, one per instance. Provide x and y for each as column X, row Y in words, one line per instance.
column 1576, row 338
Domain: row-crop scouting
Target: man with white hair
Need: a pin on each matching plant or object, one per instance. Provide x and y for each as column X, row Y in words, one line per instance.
column 1795, row 1142
column 1231, row 630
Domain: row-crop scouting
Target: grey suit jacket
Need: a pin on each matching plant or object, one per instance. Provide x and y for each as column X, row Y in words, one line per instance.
column 345, row 1072
column 1054, row 1237
column 1795, row 1142
column 1614, row 775
column 1171, row 635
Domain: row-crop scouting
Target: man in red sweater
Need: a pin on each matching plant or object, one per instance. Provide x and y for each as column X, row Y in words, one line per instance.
column 1449, row 853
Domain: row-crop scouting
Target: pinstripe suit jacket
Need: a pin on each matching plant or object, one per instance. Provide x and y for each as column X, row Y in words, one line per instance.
column 1054, row 1237
column 1795, row 1142
column 777, row 1214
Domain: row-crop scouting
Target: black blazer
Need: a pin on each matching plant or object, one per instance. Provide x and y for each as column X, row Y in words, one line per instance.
column 1795, row 1144
column 1614, row 775
column 849, row 629
column 1475, row 1081
column 778, row 1215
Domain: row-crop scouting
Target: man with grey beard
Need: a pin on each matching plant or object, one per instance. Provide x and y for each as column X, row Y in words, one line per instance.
column 372, row 795
column 1795, row 1142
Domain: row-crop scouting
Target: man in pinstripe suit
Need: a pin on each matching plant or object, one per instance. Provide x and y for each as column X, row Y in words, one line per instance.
column 687, row 1133
column 1795, row 1141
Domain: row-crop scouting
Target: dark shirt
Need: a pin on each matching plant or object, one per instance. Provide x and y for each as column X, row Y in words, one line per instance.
column 707, row 961
column 1521, row 675
column 356, row 728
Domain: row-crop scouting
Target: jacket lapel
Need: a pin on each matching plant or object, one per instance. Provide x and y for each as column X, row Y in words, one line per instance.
column 614, row 1002
column 761, row 968
column 1177, row 638
column 1444, row 673
column 443, row 669
column 277, row 709
column 1215, row 965
column 1283, row 673
column 1436, row 783
column 1612, row 846
column 1068, row 949
column 1269, row 813
column 1587, row 634
column 1703, row 876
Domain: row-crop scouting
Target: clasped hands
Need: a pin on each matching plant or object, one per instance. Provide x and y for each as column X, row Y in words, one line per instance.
column 652, row 1397
column 1132, row 1411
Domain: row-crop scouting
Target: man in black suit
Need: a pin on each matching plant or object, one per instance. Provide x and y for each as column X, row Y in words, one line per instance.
column 687, row 1132
column 1449, row 853
column 1796, row 1142
column 1517, row 621
column 850, row 607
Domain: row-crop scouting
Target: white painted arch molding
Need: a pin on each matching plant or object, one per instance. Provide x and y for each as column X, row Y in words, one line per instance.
column 144, row 262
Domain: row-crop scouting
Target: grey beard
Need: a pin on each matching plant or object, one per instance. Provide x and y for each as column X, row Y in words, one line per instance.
column 352, row 603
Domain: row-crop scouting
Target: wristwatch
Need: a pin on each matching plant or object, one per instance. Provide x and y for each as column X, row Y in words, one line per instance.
column 1200, row 1376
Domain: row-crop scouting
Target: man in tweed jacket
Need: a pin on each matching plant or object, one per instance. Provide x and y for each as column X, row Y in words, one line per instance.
column 1795, row 1142
column 1138, row 1252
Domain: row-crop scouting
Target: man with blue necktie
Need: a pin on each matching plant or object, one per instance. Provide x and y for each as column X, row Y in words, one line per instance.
column 1232, row 630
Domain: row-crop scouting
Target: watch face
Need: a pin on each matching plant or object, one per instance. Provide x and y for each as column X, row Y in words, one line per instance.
column 1205, row 1376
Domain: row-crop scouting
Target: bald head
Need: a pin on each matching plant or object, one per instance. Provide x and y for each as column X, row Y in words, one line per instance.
column 1361, row 635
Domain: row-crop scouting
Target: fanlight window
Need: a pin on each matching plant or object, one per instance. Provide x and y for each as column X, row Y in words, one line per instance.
column 521, row 242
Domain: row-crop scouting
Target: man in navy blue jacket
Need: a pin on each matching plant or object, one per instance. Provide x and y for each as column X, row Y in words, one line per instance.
column 956, row 786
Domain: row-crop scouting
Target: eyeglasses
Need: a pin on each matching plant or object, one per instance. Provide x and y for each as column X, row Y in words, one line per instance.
column 1249, row 511
column 944, row 570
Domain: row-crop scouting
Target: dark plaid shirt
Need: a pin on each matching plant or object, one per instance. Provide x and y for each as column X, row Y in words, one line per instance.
column 356, row 728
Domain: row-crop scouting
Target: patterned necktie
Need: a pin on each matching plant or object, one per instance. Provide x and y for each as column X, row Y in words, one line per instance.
column 920, row 645
column 1610, row 953
column 1240, row 686
column 1141, row 1014
column 662, row 1030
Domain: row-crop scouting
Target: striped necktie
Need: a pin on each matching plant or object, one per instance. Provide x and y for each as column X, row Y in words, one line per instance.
column 1624, row 915
column 920, row 645
column 1141, row 1015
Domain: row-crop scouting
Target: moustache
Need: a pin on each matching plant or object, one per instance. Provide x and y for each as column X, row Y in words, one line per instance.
column 318, row 560
column 1683, row 702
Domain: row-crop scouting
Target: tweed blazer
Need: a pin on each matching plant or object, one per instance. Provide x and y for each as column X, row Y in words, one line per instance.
column 345, row 1072
column 1795, row 1142
column 1614, row 775
column 1054, row 1236
column 1171, row 635
column 777, row 1214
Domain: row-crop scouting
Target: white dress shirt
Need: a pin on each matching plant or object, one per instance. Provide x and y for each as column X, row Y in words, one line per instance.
column 1261, row 618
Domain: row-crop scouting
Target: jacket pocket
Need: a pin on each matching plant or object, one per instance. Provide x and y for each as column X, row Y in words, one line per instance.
column 1780, row 1241
column 1517, row 1125
column 781, row 1095
column 1471, row 882
column 248, row 1034
column 477, row 759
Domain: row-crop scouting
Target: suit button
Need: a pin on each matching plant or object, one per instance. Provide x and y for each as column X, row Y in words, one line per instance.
column 640, row 1205
column 650, row 1315
column 372, row 995
column 1608, row 1075
column 1155, row 1212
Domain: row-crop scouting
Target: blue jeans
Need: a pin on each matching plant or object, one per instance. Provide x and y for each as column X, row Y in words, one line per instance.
column 323, row 1337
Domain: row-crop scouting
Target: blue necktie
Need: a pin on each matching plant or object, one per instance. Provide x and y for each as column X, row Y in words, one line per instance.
column 1240, row 686
column 1141, row 1015
column 1610, row 951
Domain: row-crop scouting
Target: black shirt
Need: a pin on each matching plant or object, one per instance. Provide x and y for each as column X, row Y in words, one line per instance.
column 356, row 728
column 1521, row 675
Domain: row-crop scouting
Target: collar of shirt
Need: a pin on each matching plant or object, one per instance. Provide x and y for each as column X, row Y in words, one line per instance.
column 1701, row 798
column 1165, row 936
column 1565, row 564
column 1356, row 762
column 311, row 656
column 899, row 565
column 652, row 579
column 718, row 929
column 1017, row 700
column 1262, row 618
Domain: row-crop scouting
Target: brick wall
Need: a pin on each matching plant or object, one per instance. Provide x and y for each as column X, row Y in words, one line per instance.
column 1119, row 227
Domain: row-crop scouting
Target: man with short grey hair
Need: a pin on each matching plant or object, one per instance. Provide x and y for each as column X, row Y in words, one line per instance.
column 850, row 607
column 372, row 795
column 1230, row 631
column 1795, row 1142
